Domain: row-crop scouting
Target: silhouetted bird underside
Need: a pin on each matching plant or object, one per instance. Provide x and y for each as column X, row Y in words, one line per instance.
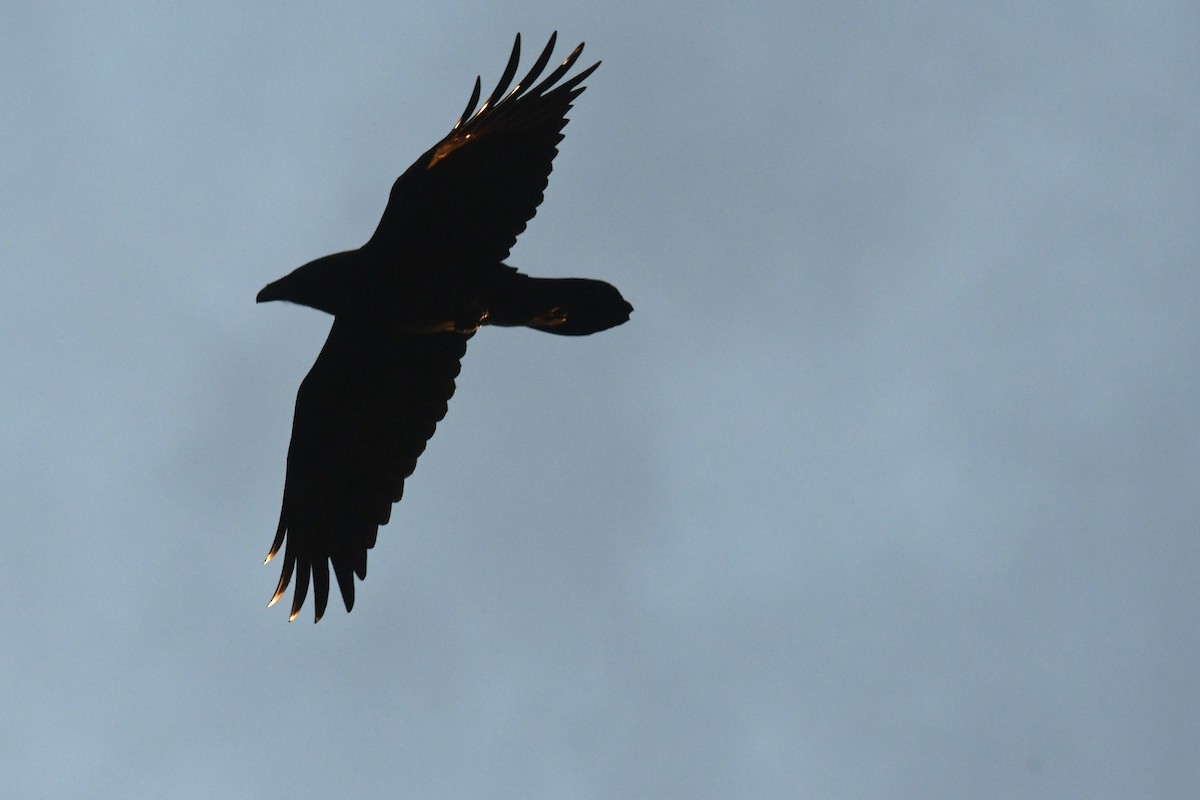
column 404, row 306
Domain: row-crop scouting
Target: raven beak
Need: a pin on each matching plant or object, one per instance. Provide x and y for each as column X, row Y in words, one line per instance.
column 269, row 292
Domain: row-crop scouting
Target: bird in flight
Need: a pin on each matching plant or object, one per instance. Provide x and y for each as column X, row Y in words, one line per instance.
column 404, row 305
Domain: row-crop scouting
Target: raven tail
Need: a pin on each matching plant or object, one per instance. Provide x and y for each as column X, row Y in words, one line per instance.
column 565, row 306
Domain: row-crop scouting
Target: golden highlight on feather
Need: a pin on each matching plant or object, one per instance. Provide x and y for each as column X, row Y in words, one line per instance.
column 502, row 98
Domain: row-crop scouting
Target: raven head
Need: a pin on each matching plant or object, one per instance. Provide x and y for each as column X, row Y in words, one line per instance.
column 325, row 284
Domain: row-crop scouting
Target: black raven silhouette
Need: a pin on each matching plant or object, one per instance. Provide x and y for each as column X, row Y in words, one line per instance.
column 404, row 306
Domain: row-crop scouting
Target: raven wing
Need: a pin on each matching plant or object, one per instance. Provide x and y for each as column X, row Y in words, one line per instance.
column 468, row 197
column 363, row 415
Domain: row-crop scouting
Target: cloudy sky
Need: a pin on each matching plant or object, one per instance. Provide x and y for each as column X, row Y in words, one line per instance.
column 890, row 488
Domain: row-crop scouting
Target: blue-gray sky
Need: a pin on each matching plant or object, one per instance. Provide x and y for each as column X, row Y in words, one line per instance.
column 891, row 487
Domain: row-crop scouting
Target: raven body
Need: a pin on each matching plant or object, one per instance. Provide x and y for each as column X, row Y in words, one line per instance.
column 404, row 306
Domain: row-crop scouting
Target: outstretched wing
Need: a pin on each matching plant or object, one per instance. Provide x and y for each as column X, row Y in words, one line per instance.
column 465, row 201
column 363, row 415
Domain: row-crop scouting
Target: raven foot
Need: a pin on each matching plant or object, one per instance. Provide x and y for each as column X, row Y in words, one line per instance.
column 471, row 322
